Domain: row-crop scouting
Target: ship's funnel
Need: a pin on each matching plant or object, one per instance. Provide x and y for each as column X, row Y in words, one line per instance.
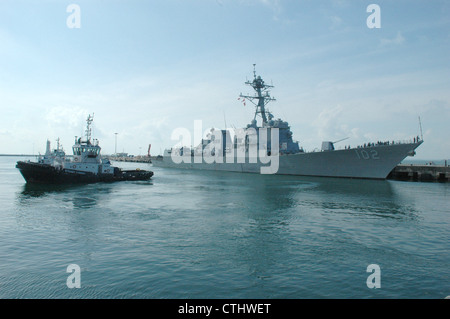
column 48, row 150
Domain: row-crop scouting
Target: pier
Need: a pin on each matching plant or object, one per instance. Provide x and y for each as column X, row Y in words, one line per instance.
column 132, row 159
column 420, row 173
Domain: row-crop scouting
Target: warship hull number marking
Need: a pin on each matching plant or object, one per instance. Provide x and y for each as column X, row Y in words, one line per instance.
column 363, row 154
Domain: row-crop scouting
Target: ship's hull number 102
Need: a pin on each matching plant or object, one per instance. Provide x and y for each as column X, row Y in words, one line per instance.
column 367, row 154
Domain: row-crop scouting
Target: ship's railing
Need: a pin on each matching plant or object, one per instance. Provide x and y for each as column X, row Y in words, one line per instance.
column 384, row 143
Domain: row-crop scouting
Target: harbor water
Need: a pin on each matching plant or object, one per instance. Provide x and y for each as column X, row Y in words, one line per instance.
column 193, row 234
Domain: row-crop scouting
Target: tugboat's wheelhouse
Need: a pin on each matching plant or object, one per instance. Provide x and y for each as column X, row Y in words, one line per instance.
column 86, row 149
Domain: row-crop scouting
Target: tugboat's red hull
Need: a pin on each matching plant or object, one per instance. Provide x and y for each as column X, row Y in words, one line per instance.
column 47, row 174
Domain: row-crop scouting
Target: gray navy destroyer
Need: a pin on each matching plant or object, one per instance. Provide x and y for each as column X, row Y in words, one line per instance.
column 233, row 153
column 85, row 166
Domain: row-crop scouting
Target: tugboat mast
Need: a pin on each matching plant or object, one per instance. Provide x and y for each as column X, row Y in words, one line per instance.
column 262, row 95
column 88, row 128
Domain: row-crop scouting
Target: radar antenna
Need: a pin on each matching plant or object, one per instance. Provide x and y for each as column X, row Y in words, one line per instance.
column 261, row 95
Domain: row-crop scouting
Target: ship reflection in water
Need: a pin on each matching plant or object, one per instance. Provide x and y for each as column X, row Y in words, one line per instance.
column 271, row 195
column 79, row 196
column 255, row 194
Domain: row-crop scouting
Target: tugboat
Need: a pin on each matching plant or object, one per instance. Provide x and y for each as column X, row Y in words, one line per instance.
column 85, row 166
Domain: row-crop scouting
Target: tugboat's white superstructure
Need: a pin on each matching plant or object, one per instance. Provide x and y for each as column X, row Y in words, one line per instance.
column 85, row 166
column 86, row 155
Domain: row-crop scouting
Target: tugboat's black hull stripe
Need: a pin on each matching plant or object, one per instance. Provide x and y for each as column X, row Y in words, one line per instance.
column 43, row 173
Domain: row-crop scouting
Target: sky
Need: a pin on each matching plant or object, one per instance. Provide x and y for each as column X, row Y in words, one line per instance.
column 146, row 68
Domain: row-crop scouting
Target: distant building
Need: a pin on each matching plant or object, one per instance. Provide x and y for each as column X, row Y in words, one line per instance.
column 121, row 154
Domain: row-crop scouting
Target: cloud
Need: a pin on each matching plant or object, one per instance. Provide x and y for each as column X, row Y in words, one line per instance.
column 65, row 116
column 10, row 46
column 329, row 125
column 4, row 132
column 340, row 3
column 336, row 22
column 273, row 5
column 398, row 40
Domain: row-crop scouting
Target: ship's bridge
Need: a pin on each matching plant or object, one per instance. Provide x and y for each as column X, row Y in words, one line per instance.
column 86, row 149
column 89, row 151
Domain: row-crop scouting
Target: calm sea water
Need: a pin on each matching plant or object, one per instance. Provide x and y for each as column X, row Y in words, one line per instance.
column 188, row 234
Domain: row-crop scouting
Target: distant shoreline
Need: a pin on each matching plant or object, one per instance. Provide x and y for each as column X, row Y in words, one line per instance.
column 19, row 155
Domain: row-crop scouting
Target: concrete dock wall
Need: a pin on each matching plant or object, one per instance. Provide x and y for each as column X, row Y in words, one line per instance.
column 420, row 173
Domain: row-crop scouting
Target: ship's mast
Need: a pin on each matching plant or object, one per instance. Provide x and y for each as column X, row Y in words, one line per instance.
column 262, row 95
column 88, row 128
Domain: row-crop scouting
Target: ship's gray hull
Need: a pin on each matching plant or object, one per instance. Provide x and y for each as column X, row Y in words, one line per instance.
column 374, row 162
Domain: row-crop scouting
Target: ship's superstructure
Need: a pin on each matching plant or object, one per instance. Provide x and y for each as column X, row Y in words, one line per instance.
column 86, row 154
column 269, row 148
